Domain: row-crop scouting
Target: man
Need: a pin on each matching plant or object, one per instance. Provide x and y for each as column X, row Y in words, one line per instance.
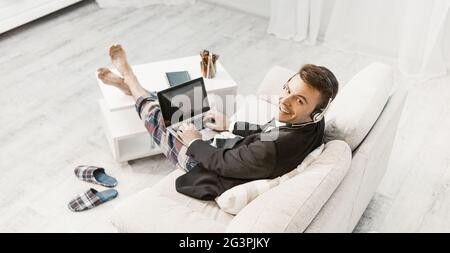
column 262, row 152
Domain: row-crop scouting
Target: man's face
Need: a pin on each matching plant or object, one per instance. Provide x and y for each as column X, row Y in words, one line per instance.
column 297, row 102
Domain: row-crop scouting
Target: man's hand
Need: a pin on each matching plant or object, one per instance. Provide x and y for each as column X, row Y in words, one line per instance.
column 188, row 133
column 216, row 121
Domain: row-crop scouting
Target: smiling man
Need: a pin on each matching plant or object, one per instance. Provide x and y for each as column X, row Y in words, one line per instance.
column 257, row 152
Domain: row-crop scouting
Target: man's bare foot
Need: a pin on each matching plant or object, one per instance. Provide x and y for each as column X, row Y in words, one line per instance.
column 110, row 78
column 119, row 59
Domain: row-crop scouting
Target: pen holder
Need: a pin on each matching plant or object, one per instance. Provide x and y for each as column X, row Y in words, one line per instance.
column 208, row 64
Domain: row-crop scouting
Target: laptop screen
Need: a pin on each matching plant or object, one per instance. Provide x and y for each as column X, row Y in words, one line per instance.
column 184, row 101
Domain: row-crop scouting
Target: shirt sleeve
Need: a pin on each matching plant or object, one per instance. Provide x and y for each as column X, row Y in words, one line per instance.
column 231, row 127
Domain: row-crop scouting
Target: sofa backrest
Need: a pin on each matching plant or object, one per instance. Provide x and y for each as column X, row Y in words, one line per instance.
column 359, row 104
column 347, row 204
column 344, row 209
column 377, row 148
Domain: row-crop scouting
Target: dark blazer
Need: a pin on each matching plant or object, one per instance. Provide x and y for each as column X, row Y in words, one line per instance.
column 259, row 155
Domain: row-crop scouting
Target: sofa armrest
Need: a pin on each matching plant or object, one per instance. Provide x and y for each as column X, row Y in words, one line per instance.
column 291, row 206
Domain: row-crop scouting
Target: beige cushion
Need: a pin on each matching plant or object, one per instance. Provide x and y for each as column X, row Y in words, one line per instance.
column 162, row 209
column 291, row 206
column 357, row 107
column 236, row 198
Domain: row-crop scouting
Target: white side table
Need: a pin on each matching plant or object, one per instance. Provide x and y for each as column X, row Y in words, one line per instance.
column 125, row 132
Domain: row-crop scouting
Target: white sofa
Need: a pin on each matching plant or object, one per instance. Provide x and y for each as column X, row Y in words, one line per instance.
column 330, row 196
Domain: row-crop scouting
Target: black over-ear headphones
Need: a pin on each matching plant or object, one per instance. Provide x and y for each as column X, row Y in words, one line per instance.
column 318, row 113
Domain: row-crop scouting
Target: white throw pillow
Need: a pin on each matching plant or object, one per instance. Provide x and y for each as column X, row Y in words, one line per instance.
column 235, row 199
column 358, row 106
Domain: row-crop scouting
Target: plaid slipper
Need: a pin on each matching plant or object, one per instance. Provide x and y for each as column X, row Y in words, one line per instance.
column 96, row 175
column 91, row 199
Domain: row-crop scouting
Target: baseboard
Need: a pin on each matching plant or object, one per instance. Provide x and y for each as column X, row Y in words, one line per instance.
column 34, row 13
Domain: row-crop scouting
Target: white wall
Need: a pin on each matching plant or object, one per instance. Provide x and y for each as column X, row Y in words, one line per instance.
column 257, row 7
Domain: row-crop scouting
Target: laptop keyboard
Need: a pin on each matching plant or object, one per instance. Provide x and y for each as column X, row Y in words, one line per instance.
column 197, row 121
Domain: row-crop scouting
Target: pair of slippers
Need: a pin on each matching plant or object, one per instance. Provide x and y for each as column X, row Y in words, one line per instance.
column 92, row 197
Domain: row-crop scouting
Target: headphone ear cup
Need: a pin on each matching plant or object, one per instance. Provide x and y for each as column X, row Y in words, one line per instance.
column 317, row 116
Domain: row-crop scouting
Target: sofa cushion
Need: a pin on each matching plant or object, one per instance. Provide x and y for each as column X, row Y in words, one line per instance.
column 291, row 206
column 162, row 209
column 150, row 212
column 235, row 199
column 357, row 107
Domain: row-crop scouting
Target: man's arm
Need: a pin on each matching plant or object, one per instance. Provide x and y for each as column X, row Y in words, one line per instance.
column 253, row 161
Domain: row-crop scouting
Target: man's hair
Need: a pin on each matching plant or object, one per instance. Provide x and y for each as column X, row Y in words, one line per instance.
column 321, row 79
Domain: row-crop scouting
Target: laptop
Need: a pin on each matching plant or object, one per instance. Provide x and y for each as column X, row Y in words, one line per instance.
column 185, row 103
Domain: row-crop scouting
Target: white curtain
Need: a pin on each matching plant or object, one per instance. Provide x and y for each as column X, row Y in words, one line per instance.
column 138, row 3
column 296, row 19
column 410, row 32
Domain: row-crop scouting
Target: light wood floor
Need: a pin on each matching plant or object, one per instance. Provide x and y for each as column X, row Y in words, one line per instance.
column 50, row 122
